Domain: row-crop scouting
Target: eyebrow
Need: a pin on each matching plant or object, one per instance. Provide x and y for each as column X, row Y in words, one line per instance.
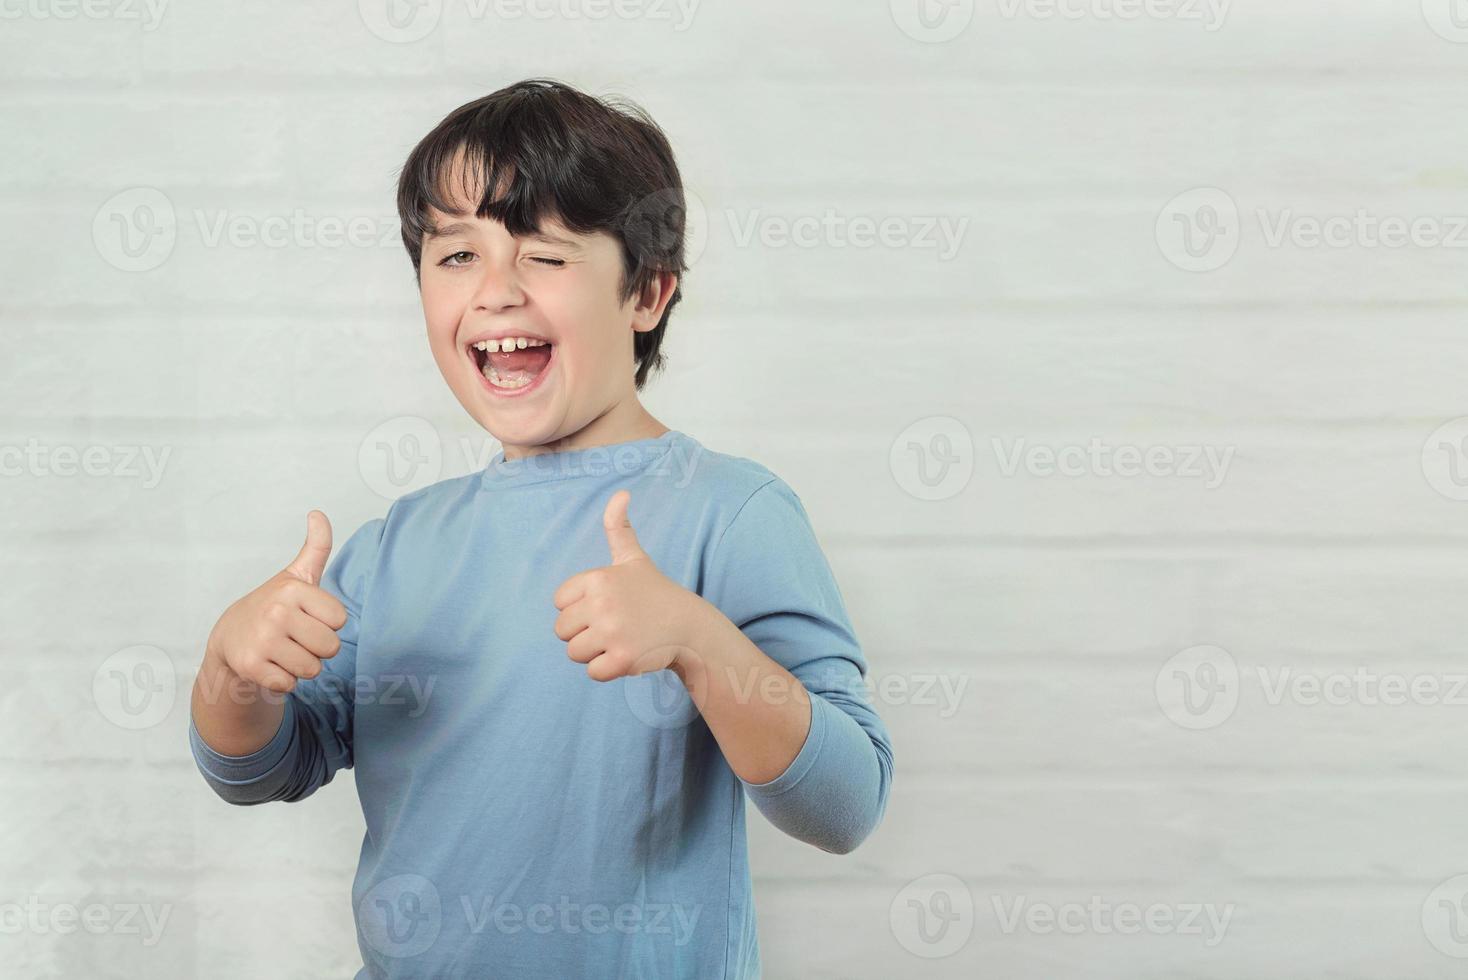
column 444, row 231
column 540, row 236
column 461, row 227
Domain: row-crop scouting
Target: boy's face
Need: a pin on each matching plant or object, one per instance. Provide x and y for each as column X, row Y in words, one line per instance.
column 478, row 281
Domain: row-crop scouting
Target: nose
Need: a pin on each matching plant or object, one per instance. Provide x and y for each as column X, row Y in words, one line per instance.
column 497, row 288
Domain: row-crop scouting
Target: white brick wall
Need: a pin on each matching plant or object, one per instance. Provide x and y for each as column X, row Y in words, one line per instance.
column 1058, row 767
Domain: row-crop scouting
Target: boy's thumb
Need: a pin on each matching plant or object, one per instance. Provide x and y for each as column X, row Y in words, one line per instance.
column 310, row 563
column 621, row 539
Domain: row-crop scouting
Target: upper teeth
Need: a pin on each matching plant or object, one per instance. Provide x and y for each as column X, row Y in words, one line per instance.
column 509, row 344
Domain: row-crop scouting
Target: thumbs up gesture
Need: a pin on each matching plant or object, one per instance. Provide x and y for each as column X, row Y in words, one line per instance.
column 284, row 629
column 627, row 617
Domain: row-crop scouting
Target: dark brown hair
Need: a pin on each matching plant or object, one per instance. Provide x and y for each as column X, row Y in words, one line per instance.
column 593, row 164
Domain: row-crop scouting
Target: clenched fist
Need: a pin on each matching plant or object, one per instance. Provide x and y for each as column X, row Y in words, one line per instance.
column 627, row 617
column 285, row 628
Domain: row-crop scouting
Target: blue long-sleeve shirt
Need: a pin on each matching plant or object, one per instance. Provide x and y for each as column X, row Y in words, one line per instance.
column 522, row 819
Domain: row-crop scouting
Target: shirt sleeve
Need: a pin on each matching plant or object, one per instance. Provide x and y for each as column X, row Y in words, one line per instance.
column 769, row 576
column 315, row 735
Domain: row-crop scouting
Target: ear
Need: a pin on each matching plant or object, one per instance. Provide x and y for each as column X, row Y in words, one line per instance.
column 653, row 301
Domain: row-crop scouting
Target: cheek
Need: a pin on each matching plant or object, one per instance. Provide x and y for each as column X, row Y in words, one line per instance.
column 588, row 319
column 441, row 318
column 441, row 343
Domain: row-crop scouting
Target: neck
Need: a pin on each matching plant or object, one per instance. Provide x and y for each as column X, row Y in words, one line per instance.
column 623, row 422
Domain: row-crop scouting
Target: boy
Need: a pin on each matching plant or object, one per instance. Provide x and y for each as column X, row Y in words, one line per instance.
column 599, row 644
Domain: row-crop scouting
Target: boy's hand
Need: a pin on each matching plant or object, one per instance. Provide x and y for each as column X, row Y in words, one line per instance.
column 285, row 628
column 627, row 617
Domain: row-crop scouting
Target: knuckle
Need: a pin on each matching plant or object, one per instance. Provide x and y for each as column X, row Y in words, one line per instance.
column 333, row 613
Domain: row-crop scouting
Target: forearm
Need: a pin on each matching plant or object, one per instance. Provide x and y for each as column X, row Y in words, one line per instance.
column 233, row 716
column 817, row 762
column 759, row 712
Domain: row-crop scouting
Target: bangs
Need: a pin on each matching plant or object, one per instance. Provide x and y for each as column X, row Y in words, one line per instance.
column 498, row 160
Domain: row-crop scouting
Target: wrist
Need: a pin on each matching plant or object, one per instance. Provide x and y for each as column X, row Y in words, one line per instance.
column 702, row 639
column 215, row 663
column 701, row 627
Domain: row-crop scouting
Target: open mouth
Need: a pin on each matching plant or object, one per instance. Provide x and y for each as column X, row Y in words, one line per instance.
column 512, row 364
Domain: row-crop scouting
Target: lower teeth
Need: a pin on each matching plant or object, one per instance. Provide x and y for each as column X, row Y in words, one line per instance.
column 516, row 379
